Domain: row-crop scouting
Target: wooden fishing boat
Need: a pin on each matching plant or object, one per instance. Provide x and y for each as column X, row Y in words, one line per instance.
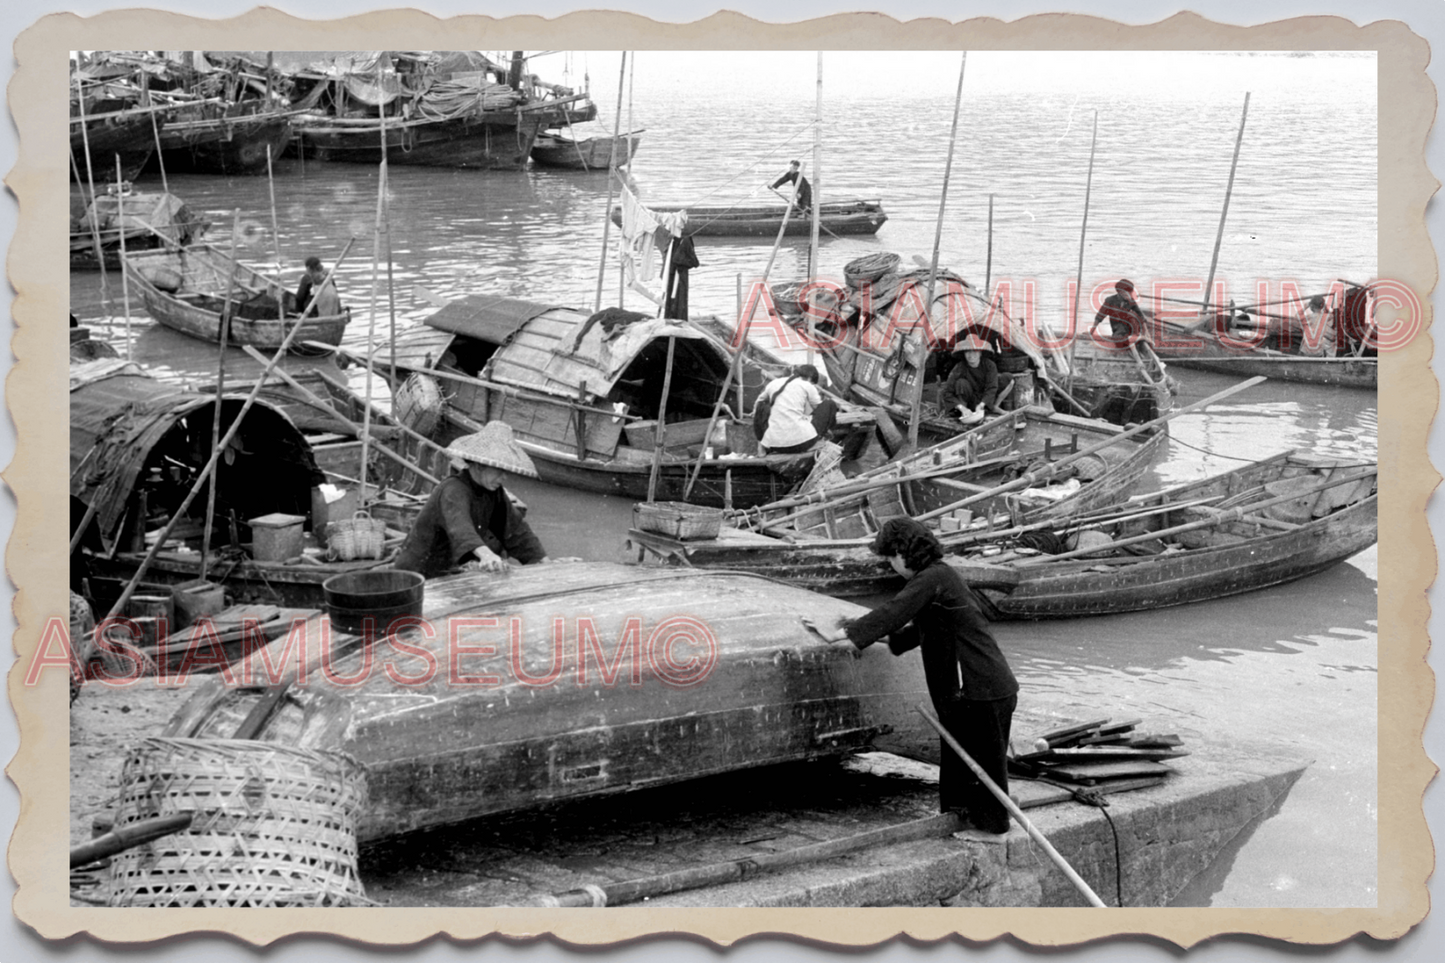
column 682, row 674
column 225, row 142
column 841, row 218
column 586, row 411
column 1124, row 385
column 146, row 220
column 820, row 541
column 187, row 290
column 591, row 154
column 1271, row 522
column 1203, row 350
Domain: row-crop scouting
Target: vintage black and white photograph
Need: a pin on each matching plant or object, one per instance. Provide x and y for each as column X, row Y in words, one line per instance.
column 723, row 479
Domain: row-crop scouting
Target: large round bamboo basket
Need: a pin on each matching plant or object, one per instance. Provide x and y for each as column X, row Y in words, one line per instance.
column 273, row 825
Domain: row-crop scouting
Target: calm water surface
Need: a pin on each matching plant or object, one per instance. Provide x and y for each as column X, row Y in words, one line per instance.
column 1296, row 664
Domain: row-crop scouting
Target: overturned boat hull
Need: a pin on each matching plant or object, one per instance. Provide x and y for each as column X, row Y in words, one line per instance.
column 571, row 680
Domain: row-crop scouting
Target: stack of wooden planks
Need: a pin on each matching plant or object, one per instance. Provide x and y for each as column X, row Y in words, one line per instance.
column 1103, row 755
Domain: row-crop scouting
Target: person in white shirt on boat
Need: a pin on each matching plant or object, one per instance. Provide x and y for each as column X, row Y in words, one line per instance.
column 1319, row 322
column 328, row 302
column 798, row 408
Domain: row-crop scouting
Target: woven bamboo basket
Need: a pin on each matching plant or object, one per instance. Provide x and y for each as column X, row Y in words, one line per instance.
column 678, row 520
column 273, row 826
column 869, row 268
column 419, row 403
column 359, row 536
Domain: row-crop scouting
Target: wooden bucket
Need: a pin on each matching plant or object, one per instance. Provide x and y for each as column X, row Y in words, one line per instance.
column 272, row 825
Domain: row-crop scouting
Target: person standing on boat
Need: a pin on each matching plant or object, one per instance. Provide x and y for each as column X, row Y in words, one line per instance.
column 1126, row 321
column 803, row 195
column 800, row 415
column 469, row 523
column 972, row 385
column 972, row 688
column 328, row 302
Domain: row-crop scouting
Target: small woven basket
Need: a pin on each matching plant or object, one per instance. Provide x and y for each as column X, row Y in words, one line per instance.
column 359, row 536
column 419, row 403
column 678, row 520
column 273, row 825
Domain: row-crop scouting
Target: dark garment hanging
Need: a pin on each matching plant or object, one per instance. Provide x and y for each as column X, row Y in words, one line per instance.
column 683, row 260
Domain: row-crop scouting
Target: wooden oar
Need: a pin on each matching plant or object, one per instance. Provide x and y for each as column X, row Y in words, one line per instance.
column 1014, row 811
column 1228, row 515
column 1034, row 477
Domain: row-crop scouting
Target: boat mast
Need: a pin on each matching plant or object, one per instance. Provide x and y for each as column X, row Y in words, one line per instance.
column 611, row 173
column 375, row 280
column 927, row 319
column 611, row 169
column 1083, row 231
column 224, row 332
column 988, row 260
column 817, row 195
column 1223, row 214
column 120, row 230
column 90, row 177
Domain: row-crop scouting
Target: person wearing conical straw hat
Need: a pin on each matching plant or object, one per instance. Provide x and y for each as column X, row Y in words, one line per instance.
column 972, row 385
column 469, row 523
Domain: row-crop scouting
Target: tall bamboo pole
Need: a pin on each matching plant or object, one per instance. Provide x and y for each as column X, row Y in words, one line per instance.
column 156, row 132
column 611, row 173
column 220, row 391
column 817, row 195
column 612, row 167
column 120, row 229
column 988, row 261
column 917, row 410
column 660, row 436
column 386, row 228
column 90, row 178
column 1224, row 213
column 1083, row 232
column 371, row 329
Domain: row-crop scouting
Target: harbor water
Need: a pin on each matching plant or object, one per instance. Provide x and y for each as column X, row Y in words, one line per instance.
column 1295, row 664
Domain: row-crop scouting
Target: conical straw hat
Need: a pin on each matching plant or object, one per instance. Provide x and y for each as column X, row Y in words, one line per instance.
column 494, row 446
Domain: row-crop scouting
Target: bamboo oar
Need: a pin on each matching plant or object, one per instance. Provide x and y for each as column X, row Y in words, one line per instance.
column 1068, row 525
column 1227, row 515
column 205, row 474
column 220, row 391
column 1083, row 232
column 1033, row 477
column 917, row 406
column 1204, row 312
column 611, row 173
column 120, row 227
column 660, row 436
column 125, row 837
column 317, row 400
column 1014, row 811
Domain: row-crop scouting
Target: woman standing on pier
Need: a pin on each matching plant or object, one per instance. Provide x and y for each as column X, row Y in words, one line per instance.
column 969, row 680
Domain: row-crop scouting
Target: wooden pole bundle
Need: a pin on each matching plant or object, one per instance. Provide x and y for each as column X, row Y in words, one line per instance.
column 916, row 411
column 1226, row 515
column 1048, row 471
